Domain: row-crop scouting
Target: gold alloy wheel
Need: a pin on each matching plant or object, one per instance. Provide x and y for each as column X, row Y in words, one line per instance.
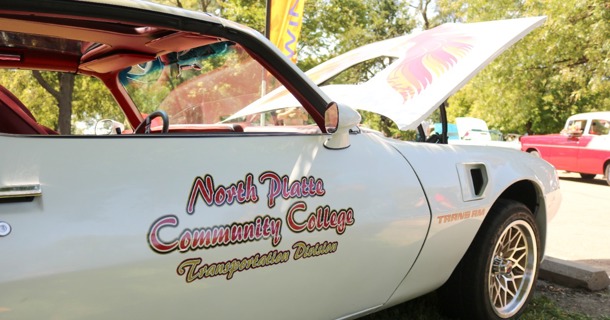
column 512, row 269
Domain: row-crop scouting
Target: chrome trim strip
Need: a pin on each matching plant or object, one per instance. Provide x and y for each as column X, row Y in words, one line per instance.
column 21, row 191
column 10, row 57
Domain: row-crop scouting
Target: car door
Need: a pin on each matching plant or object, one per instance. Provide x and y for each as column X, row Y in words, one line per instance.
column 566, row 147
column 565, row 155
column 229, row 226
column 594, row 148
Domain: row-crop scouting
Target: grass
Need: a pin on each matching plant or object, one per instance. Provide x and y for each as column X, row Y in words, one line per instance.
column 542, row 307
column 426, row 308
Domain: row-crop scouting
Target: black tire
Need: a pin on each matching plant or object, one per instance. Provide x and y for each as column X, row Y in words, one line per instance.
column 496, row 277
column 587, row 176
column 607, row 174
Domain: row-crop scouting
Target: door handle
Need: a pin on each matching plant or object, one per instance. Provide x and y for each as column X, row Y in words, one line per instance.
column 20, row 193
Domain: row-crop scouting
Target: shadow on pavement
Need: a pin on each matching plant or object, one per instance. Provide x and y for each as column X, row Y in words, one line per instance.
column 599, row 182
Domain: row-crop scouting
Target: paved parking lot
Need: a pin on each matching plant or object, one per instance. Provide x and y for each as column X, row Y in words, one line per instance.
column 581, row 230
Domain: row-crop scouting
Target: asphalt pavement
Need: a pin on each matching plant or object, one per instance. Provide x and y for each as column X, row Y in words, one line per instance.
column 580, row 232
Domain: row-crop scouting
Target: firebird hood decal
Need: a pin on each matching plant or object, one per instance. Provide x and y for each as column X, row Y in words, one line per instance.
column 430, row 66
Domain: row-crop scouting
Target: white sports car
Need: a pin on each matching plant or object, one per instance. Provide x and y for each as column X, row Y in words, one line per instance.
column 224, row 183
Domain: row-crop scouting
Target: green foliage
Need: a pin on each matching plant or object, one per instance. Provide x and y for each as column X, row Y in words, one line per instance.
column 248, row 12
column 35, row 98
column 542, row 307
column 333, row 27
column 427, row 307
column 560, row 69
column 91, row 99
column 337, row 26
column 197, row 5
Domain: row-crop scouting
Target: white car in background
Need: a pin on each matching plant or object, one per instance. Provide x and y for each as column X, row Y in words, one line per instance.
column 470, row 131
column 474, row 131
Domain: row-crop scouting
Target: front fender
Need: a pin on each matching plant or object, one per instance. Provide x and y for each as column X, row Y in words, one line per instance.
column 461, row 184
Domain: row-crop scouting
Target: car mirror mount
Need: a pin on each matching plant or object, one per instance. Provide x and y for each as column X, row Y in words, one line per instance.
column 108, row 127
column 575, row 134
column 346, row 119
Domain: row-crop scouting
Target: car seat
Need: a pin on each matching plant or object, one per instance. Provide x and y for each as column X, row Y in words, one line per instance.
column 15, row 118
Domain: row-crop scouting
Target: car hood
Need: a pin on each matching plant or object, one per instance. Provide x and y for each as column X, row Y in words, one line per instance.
column 429, row 67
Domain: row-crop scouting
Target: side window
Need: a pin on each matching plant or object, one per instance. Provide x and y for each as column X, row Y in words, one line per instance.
column 215, row 85
column 575, row 127
column 39, row 96
column 599, row 127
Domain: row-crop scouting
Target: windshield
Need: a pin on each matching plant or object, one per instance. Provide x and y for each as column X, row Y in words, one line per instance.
column 206, row 85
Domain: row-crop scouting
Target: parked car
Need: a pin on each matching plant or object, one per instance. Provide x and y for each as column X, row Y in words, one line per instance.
column 474, row 131
column 452, row 131
column 583, row 146
column 200, row 196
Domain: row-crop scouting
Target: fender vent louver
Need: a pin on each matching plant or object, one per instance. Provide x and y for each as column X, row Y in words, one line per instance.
column 473, row 180
column 477, row 181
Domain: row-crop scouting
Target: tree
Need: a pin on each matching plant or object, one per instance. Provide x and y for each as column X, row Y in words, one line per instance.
column 560, row 69
column 197, row 5
column 337, row 26
column 421, row 6
column 83, row 99
column 247, row 12
column 63, row 95
column 334, row 27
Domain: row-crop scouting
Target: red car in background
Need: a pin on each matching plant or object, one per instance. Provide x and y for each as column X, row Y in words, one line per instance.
column 583, row 146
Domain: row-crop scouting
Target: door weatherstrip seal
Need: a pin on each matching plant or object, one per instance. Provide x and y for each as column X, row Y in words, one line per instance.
column 20, row 191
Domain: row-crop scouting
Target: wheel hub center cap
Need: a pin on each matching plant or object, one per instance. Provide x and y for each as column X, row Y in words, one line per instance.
column 502, row 266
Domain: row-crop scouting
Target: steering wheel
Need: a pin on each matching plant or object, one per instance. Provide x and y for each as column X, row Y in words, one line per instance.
column 147, row 121
column 434, row 138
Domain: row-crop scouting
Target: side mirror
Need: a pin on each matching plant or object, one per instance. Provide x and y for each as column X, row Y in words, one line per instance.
column 344, row 118
column 106, row 127
column 575, row 134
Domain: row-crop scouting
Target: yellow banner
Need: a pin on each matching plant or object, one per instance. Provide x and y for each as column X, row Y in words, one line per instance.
column 285, row 25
